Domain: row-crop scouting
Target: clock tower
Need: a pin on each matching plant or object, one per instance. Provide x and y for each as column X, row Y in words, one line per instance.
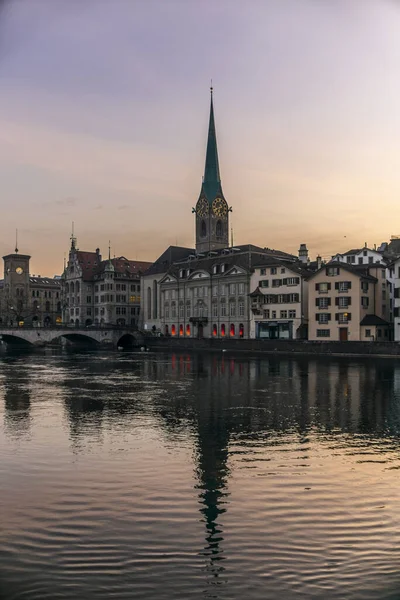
column 212, row 211
column 16, row 286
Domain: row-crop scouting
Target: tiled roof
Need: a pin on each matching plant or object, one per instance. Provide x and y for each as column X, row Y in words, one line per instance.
column 123, row 265
column 47, row 281
column 373, row 320
column 359, row 270
column 167, row 258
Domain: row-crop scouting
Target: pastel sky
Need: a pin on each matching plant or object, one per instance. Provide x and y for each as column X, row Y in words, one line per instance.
column 104, row 110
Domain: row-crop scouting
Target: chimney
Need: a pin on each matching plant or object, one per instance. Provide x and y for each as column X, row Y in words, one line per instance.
column 319, row 262
column 303, row 253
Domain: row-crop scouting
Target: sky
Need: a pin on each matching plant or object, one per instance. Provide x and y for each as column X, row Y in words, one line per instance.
column 104, row 111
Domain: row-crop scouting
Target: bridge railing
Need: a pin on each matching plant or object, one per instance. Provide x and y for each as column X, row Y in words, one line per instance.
column 71, row 327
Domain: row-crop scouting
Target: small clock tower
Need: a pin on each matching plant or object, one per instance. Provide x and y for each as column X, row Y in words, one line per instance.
column 16, row 286
column 212, row 211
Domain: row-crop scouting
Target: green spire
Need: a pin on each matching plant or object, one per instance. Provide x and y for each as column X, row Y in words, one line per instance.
column 211, row 187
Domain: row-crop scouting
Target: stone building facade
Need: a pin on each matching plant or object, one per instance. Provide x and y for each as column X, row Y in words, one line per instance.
column 101, row 292
column 26, row 299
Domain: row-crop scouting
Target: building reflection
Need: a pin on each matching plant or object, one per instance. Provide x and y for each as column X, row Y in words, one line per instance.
column 17, row 400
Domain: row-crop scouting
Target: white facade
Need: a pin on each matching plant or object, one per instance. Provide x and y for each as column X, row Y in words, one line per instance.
column 279, row 302
column 363, row 256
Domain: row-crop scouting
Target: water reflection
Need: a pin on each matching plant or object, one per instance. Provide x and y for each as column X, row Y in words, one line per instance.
column 235, row 413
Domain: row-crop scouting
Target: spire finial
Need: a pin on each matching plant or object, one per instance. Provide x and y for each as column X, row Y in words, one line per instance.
column 109, row 250
column 211, row 88
column 16, row 241
column 73, row 238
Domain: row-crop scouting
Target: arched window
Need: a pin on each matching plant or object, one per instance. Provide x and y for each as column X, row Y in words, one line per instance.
column 173, row 330
column 203, row 229
column 155, row 300
column 214, row 331
column 232, row 330
column 188, row 329
column 67, row 288
column 181, row 330
column 149, row 302
column 77, row 287
column 218, row 229
column 72, row 287
column 241, row 330
column 223, row 330
column 166, row 330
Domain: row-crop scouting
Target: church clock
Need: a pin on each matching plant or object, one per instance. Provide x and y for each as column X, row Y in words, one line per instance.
column 220, row 208
column 202, row 207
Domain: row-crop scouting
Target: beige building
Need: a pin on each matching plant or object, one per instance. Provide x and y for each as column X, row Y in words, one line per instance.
column 340, row 297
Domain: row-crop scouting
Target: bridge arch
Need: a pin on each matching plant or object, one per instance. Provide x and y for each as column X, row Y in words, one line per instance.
column 16, row 341
column 128, row 341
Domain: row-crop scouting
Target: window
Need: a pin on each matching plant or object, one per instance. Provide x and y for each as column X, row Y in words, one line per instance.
column 215, row 290
column 187, row 309
column 274, row 314
column 215, row 309
column 188, row 329
column 232, row 330
column 181, row 311
column 205, row 291
column 181, row 292
column 367, row 333
column 241, row 309
column 323, row 317
column 218, row 229
column 173, row 311
column 283, row 270
column 371, row 260
column 96, row 299
column 241, row 288
column 283, row 314
column 348, row 258
column 332, row 271
column 323, row 333
column 292, row 314
column 323, row 287
column 88, row 299
column 343, row 286
column 264, row 283
column 241, row 330
column 215, row 269
column 292, row 281
column 383, row 273
column 222, row 268
column 360, row 260
column 379, row 333
column 214, row 330
column 343, row 317
column 276, row 282
column 232, row 309
column 223, row 309
column 364, row 286
column 323, row 302
column 223, row 289
column 166, row 311
column 132, row 298
column 266, row 314
column 223, row 330
column 232, row 289
column 273, row 270
column 343, row 302
column 263, row 271
column 203, row 229
column 365, row 253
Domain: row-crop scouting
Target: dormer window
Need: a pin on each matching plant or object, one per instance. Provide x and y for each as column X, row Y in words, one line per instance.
column 215, row 269
column 182, row 273
column 222, row 268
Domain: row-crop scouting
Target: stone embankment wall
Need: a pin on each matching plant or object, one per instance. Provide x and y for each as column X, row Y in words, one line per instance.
column 276, row 346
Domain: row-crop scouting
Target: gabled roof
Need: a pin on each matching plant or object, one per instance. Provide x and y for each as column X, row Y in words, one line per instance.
column 359, row 270
column 88, row 262
column 373, row 320
column 124, row 266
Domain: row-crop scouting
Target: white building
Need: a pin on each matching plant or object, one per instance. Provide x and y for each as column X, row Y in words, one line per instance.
column 279, row 300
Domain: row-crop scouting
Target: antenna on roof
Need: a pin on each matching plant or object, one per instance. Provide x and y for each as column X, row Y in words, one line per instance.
column 232, row 237
column 73, row 238
column 16, row 241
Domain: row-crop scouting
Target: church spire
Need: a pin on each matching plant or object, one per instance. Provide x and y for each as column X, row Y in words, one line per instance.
column 211, row 180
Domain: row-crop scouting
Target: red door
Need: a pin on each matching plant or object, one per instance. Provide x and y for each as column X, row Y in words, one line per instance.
column 343, row 334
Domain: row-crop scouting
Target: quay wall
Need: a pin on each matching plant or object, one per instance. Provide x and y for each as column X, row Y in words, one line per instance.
column 276, row 346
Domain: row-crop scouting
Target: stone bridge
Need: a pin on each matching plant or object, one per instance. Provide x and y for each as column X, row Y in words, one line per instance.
column 106, row 337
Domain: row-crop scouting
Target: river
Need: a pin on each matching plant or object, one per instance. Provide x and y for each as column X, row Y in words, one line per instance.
column 173, row 476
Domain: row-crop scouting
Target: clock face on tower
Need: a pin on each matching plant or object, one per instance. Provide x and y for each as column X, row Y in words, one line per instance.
column 202, row 207
column 19, row 270
column 220, row 207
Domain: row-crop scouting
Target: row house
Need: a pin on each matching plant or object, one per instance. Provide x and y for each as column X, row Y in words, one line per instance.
column 346, row 303
column 279, row 300
column 101, row 292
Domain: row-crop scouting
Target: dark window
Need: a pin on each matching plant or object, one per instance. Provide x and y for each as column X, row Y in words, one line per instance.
column 203, row 229
column 219, row 229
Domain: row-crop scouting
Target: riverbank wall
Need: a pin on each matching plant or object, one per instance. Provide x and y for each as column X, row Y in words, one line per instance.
column 168, row 344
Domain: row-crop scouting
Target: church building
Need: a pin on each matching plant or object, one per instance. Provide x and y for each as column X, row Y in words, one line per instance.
column 205, row 291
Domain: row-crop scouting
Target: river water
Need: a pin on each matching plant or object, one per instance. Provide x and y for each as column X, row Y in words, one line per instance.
column 204, row 476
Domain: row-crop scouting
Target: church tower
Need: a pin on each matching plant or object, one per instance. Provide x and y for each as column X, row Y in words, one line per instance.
column 212, row 211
